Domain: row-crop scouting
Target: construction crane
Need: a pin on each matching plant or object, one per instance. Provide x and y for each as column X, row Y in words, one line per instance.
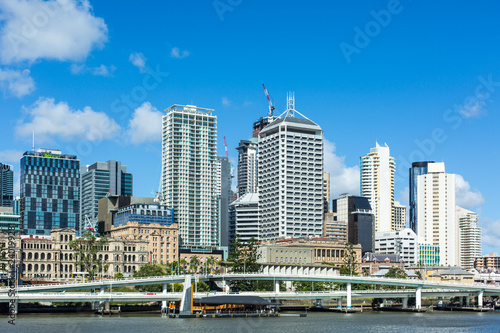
column 271, row 103
column 225, row 146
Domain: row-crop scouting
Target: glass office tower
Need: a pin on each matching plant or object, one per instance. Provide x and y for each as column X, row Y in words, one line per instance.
column 50, row 191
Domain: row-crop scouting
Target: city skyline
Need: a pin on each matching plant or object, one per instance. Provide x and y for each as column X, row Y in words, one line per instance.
column 428, row 95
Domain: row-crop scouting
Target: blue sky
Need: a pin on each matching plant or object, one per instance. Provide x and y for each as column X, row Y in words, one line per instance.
column 93, row 79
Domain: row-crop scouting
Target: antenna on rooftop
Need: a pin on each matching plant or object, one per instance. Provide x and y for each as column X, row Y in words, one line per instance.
column 290, row 103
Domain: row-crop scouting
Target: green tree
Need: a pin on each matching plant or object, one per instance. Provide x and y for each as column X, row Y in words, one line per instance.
column 86, row 249
column 119, row 276
column 243, row 259
column 350, row 264
column 150, row 270
column 396, row 272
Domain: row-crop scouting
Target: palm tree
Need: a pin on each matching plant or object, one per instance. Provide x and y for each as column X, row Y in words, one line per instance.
column 193, row 263
column 182, row 263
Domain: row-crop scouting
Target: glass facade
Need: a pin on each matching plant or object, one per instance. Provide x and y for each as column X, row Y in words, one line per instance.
column 417, row 169
column 7, row 220
column 428, row 255
column 6, row 185
column 144, row 214
column 98, row 180
column 50, row 192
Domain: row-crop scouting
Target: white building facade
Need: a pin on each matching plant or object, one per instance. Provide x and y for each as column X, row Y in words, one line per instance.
column 469, row 237
column 435, row 208
column 189, row 147
column 377, row 184
column 403, row 242
column 244, row 217
column 291, row 177
column 399, row 216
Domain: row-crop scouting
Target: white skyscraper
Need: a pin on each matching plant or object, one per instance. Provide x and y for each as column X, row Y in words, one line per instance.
column 399, row 216
column 290, row 177
column 377, row 183
column 189, row 147
column 247, row 166
column 435, row 207
column 469, row 237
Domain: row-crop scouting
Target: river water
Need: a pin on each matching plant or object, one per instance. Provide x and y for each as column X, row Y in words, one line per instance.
column 314, row 322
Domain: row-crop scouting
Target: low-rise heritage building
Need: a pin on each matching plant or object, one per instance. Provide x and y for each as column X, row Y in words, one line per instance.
column 162, row 240
column 453, row 275
column 325, row 250
column 50, row 258
column 373, row 262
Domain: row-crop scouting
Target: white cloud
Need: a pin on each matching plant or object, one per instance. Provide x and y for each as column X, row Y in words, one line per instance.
column 404, row 196
column 10, row 156
column 97, row 71
column 139, row 61
column 145, row 125
column 54, row 29
column 176, row 53
column 343, row 179
column 491, row 232
column 474, row 108
column 50, row 120
column 16, row 83
column 465, row 197
column 226, row 101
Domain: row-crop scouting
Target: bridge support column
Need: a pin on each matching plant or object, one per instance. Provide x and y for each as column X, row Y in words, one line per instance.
column 349, row 295
column 440, row 301
column 276, row 286
column 339, row 303
column 480, row 299
column 418, row 298
column 164, row 303
column 405, row 302
column 461, row 301
column 467, row 300
column 187, row 297
column 101, row 303
column 289, row 286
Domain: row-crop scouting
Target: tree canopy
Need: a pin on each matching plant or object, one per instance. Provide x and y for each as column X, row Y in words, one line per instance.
column 86, row 249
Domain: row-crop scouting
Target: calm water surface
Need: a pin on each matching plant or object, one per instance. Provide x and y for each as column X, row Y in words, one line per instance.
column 314, row 322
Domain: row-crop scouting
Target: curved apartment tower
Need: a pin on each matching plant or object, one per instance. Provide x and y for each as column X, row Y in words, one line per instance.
column 189, row 149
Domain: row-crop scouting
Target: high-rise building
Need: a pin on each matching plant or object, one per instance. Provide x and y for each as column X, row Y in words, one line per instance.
column 356, row 212
column 223, row 191
column 334, row 229
column 326, row 191
column 417, row 169
column 403, row 242
column 99, row 180
column 469, row 237
column 9, row 222
column 291, row 177
column 377, row 184
column 244, row 218
column 143, row 213
column 399, row 216
column 435, row 208
column 6, row 185
column 50, row 191
column 247, row 166
column 189, row 149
